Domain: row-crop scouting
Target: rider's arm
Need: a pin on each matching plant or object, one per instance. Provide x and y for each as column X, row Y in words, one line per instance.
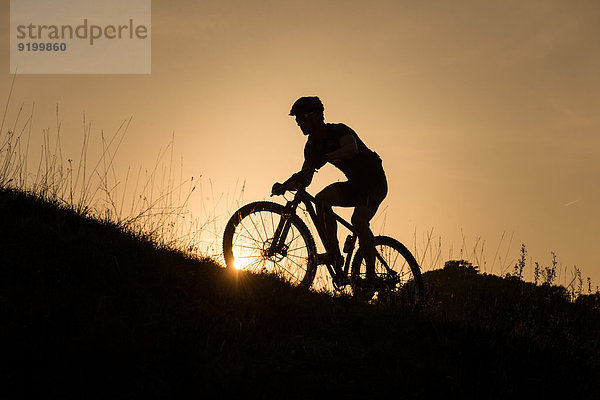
column 301, row 178
column 306, row 173
column 348, row 149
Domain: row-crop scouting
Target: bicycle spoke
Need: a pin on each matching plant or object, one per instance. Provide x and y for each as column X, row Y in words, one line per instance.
column 295, row 237
column 300, row 257
column 256, row 262
column 257, row 230
column 288, row 271
column 272, row 222
column 249, row 233
column 395, row 259
column 246, row 237
column 297, row 248
column 264, row 227
column 246, row 247
column 299, row 266
column 250, row 256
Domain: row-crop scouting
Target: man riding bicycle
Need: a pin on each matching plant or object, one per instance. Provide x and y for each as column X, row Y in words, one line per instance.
column 364, row 190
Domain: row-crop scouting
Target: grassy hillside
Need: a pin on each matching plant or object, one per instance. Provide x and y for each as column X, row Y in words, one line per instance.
column 89, row 310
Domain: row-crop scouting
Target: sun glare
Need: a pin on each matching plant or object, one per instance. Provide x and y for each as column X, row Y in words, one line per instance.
column 244, row 253
column 241, row 262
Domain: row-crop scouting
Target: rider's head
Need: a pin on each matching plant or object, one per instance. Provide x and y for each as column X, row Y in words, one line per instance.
column 309, row 114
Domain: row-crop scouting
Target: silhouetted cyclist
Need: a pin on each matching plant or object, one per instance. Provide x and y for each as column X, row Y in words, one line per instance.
column 366, row 186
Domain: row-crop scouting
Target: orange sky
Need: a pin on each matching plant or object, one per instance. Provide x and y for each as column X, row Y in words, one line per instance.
column 485, row 113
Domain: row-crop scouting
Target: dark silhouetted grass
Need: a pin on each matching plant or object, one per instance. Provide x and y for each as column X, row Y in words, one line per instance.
column 88, row 309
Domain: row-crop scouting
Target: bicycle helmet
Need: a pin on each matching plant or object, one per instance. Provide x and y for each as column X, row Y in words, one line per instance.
column 305, row 105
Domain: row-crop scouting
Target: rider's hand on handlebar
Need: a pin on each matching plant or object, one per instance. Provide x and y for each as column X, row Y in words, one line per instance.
column 278, row 189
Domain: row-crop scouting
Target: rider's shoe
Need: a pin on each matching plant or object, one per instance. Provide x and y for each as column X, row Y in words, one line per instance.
column 337, row 263
column 340, row 278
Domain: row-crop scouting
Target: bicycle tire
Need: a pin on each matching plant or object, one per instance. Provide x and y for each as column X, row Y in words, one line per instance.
column 247, row 235
column 407, row 284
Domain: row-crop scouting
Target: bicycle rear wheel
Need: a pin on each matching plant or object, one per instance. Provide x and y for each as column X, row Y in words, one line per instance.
column 396, row 268
column 248, row 239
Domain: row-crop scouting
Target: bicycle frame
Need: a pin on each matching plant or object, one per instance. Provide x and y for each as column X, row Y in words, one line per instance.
column 308, row 200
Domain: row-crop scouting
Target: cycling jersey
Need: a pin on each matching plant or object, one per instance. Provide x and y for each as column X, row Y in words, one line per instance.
column 364, row 166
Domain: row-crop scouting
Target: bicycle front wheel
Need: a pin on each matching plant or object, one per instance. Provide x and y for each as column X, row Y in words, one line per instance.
column 395, row 266
column 250, row 243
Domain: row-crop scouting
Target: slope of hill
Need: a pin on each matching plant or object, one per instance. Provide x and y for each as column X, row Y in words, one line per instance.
column 88, row 310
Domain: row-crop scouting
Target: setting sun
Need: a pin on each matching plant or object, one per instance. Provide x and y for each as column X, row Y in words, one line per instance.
column 241, row 262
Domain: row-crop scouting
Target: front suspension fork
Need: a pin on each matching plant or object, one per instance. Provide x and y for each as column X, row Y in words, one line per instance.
column 282, row 230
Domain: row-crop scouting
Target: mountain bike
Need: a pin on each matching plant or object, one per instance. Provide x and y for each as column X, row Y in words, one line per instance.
column 268, row 237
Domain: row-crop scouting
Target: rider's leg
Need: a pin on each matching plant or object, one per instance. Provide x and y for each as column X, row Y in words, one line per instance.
column 366, row 240
column 366, row 208
column 332, row 195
